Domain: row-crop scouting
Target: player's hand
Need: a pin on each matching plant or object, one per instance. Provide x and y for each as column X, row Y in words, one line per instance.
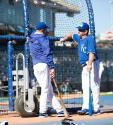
column 89, row 67
column 52, row 73
column 62, row 40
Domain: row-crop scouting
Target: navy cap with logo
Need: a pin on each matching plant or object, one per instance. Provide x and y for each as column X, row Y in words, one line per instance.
column 83, row 26
column 41, row 25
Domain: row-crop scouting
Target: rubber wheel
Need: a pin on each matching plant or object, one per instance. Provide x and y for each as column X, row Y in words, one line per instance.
column 19, row 107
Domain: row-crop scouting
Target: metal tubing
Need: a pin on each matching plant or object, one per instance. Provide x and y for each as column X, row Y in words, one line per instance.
column 91, row 17
column 20, row 55
column 10, row 86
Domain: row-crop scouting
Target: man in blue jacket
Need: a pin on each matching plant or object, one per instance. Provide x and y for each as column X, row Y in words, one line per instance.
column 43, row 66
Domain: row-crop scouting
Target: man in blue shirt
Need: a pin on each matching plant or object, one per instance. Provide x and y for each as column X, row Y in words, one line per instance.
column 43, row 66
column 87, row 57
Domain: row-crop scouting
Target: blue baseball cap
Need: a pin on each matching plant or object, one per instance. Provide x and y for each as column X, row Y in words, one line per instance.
column 83, row 26
column 41, row 25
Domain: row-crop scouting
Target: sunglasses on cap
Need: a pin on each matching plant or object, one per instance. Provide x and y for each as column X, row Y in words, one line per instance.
column 81, row 30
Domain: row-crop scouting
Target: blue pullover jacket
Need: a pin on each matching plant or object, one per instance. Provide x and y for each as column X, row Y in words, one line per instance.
column 40, row 49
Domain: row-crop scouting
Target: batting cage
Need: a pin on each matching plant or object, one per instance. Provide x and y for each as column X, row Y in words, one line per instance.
column 19, row 89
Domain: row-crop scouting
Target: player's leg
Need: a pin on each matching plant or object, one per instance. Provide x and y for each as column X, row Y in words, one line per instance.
column 41, row 74
column 85, row 88
column 95, row 86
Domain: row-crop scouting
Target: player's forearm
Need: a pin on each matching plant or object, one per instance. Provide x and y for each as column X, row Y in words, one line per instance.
column 91, row 58
column 66, row 38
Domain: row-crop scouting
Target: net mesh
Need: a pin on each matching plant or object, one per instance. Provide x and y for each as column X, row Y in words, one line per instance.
column 3, row 81
column 60, row 23
column 66, row 57
column 66, row 23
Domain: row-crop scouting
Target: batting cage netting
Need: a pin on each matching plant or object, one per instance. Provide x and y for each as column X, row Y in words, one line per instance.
column 62, row 16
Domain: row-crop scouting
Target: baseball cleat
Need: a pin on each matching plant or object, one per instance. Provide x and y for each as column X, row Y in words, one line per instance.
column 60, row 114
column 43, row 115
column 83, row 112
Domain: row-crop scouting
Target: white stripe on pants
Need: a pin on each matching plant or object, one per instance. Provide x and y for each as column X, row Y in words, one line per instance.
column 95, row 85
column 41, row 73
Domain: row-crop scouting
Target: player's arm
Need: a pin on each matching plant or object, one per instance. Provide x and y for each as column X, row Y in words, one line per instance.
column 90, row 61
column 91, row 50
column 66, row 38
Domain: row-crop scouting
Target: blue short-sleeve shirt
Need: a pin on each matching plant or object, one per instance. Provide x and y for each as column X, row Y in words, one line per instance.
column 85, row 46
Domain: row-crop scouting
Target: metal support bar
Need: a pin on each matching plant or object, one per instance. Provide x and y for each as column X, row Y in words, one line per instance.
column 10, row 86
column 91, row 17
column 20, row 55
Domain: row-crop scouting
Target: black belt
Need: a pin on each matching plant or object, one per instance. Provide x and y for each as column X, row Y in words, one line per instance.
column 84, row 64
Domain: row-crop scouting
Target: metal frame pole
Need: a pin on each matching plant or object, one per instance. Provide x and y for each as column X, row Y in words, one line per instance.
column 91, row 17
column 26, row 25
column 10, row 79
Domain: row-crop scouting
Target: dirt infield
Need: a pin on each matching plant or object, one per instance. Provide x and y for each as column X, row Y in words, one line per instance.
column 15, row 119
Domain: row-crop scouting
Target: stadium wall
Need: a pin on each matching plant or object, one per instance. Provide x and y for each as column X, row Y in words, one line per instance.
column 13, row 18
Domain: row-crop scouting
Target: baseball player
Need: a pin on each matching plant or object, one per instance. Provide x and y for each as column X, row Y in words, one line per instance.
column 43, row 68
column 88, row 59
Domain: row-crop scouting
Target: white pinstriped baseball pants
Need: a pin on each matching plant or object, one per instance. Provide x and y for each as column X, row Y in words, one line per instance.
column 41, row 73
column 97, row 69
